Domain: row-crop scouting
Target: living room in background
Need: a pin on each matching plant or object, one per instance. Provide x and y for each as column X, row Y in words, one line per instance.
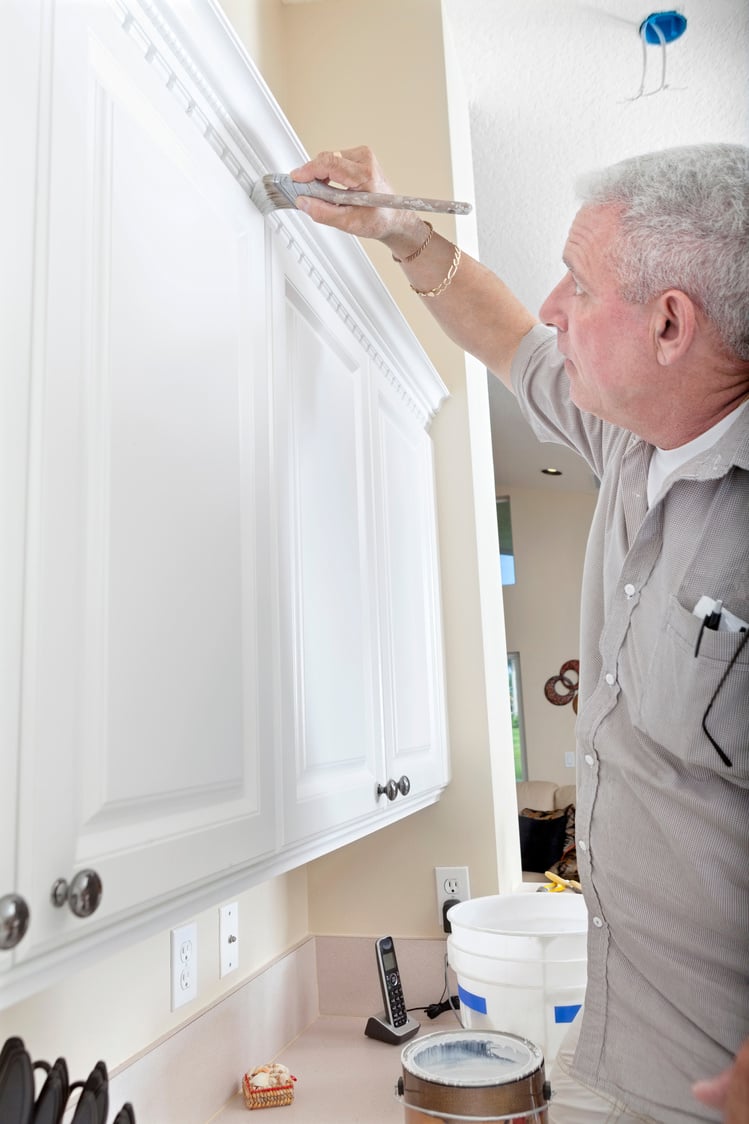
column 506, row 552
column 516, row 713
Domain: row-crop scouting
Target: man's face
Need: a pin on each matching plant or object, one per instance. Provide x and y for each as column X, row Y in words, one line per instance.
column 603, row 338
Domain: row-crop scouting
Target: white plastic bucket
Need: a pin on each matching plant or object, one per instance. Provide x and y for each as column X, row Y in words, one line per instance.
column 521, row 964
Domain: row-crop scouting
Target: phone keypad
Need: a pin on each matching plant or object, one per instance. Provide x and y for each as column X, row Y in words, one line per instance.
column 397, row 1002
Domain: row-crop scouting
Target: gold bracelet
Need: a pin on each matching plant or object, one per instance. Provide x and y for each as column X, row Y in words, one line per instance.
column 445, row 282
column 421, row 248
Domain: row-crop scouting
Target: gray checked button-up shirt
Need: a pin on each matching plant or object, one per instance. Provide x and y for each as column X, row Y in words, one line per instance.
column 662, row 819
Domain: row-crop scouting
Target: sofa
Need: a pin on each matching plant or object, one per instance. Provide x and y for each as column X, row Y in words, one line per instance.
column 547, row 830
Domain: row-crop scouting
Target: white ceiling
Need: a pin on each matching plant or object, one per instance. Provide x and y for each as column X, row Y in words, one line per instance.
column 550, row 86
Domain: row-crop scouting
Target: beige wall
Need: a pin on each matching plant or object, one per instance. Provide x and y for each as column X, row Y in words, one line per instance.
column 542, row 614
column 120, row 1006
column 259, row 24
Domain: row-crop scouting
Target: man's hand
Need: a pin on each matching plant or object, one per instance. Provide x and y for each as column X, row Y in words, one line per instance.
column 357, row 169
column 729, row 1091
column 472, row 306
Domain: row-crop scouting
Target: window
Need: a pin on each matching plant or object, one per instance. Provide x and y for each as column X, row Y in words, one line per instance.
column 506, row 554
column 516, row 714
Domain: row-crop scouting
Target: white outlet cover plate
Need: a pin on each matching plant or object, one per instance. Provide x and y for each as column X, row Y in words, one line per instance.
column 451, row 882
column 184, row 964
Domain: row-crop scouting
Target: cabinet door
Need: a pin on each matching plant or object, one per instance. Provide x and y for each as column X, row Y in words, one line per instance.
column 20, row 45
column 330, row 727
column 413, row 696
column 142, row 683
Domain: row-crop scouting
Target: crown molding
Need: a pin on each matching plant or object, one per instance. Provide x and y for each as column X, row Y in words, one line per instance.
column 199, row 58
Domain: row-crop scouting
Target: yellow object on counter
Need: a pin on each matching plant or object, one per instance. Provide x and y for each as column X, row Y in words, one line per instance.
column 558, row 883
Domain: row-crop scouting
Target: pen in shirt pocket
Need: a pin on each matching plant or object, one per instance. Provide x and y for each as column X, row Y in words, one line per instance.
column 715, row 617
column 712, row 619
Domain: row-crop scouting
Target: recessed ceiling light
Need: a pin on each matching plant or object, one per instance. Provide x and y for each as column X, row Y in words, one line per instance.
column 552, row 471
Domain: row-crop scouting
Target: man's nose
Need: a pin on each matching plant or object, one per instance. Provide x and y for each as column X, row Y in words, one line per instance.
column 552, row 311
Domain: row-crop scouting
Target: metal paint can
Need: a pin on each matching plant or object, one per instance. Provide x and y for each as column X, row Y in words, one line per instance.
column 474, row 1076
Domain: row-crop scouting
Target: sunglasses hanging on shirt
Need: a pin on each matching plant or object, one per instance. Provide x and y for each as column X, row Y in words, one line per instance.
column 723, row 756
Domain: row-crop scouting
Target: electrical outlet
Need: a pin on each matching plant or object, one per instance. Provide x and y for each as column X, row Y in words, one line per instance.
column 569, row 759
column 452, row 883
column 184, row 964
column 228, row 938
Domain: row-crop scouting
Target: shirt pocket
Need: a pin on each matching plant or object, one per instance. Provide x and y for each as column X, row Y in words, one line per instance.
column 680, row 687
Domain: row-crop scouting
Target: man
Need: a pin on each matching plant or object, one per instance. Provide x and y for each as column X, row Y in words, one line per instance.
column 647, row 377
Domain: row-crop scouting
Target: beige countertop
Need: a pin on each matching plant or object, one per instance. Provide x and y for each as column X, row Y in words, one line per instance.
column 342, row 1076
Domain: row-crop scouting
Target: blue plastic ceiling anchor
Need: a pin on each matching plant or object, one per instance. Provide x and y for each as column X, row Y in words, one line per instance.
column 663, row 27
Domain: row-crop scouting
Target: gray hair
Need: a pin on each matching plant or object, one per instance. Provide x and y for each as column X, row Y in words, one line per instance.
column 684, row 225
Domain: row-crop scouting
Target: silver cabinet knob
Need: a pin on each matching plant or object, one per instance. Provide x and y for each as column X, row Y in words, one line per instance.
column 404, row 786
column 390, row 789
column 14, row 920
column 83, row 894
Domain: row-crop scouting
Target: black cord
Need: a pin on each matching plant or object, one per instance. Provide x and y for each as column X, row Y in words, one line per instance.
column 443, row 1004
column 435, row 1009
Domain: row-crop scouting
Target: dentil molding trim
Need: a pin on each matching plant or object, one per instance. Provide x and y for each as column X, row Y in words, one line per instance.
column 201, row 61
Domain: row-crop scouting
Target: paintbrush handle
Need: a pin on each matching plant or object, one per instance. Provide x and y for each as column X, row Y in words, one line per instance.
column 345, row 198
column 571, row 883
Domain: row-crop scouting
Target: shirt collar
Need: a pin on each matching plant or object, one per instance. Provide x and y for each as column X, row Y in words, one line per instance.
column 732, row 448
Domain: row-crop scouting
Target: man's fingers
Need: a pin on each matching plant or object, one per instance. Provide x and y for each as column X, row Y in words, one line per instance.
column 353, row 167
column 329, row 214
column 327, row 166
column 714, row 1091
column 729, row 1091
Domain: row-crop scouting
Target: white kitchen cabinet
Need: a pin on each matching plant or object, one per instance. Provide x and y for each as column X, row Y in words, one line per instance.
column 221, row 580
column 361, row 653
column 140, row 750
column 413, row 701
column 19, row 83
column 331, row 730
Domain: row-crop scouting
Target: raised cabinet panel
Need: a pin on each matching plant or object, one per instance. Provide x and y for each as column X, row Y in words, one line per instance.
column 327, row 588
column 415, row 733
column 19, row 85
column 142, row 711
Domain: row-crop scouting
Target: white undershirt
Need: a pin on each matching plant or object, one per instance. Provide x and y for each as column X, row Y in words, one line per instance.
column 665, row 461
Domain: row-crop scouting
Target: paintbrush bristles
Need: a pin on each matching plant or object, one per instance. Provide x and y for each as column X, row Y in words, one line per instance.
column 279, row 192
column 274, row 193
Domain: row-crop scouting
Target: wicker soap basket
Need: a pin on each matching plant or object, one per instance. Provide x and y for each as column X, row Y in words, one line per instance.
column 268, row 1086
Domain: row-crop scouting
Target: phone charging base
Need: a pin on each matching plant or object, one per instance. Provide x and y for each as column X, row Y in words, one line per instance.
column 378, row 1027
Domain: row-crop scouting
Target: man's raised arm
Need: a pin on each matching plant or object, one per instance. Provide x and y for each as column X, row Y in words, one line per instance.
column 474, row 308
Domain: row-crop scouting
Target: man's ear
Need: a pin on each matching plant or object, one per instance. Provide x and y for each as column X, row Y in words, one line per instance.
column 674, row 326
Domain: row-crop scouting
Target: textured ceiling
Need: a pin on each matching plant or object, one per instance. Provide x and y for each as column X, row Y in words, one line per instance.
column 551, row 86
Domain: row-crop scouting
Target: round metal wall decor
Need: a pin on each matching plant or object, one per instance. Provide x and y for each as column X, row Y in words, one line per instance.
column 562, row 688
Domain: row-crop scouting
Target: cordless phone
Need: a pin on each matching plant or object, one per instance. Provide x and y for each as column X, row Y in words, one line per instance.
column 395, row 1024
column 390, row 982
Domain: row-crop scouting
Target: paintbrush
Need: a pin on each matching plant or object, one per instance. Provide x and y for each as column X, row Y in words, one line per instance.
column 279, row 192
column 569, row 883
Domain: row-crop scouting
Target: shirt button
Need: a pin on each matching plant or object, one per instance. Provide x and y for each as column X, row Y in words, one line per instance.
column 610, row 679
column 597, row 922
column 589, row 759
column 629, row 589
column 582, row 844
